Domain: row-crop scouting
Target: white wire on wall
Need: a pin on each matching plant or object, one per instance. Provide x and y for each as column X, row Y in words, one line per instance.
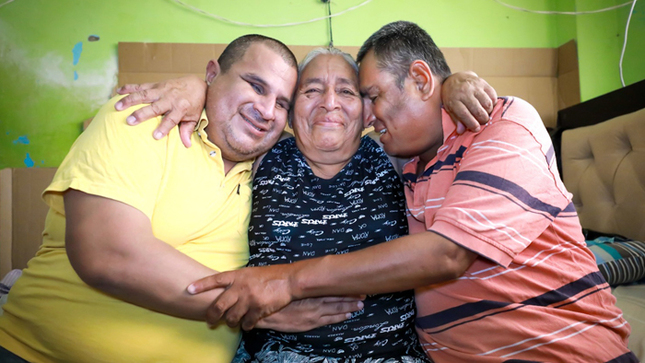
column 629, row 18
column 563, row 12
column 622, row 53
column 220, row 18
column 5, row 3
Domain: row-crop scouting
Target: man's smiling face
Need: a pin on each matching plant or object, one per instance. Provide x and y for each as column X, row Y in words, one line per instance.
column 398, row 114
column 247, row 106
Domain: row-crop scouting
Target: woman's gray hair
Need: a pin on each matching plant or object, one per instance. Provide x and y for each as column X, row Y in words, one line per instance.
column 313, row 54
column 326, row 51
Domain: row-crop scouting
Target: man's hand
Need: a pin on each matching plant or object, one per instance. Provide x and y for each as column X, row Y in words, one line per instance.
column 179, row 100
column 251, row 294
column 468, row 99
column 306, row 314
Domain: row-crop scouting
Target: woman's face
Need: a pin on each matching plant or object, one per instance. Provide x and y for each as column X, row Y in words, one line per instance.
column 328, row 107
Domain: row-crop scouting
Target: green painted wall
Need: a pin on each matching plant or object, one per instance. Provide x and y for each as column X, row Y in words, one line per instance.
column 565, row 26
column 600, row 41
column 52, row 77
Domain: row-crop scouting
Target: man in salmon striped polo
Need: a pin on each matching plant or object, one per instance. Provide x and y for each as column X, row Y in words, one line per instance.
column 496, row 252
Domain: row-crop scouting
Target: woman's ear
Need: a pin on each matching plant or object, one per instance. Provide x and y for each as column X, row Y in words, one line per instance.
column 423, row 79
column 212, row 70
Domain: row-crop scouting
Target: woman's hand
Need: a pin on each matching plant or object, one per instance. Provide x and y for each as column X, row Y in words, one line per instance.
column 306, row 314
column 180, row 100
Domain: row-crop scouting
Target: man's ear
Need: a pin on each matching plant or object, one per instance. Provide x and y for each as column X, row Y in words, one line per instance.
column 423, row 79
column 212, row 70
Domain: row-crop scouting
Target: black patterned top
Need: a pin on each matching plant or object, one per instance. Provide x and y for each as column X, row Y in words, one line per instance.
column 297, row 215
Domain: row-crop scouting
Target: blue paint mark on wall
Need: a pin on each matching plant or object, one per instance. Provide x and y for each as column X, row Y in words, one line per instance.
column 78, row 48
column 21, row 140
column 75, row 75
column 28, row 161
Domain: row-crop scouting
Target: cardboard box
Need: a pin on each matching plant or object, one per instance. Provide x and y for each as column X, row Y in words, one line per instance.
column 568, row 75
column 545, row 77
column 22, row 214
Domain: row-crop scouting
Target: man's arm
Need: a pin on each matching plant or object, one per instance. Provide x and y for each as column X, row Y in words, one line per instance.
column 468, row 98
column 112, row 248
column 408, row 262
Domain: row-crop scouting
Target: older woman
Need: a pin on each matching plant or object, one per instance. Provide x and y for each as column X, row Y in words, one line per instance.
column 329, row 191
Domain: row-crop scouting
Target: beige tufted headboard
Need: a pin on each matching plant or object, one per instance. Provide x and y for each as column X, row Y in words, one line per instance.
column 603, row 165
column 604, row 168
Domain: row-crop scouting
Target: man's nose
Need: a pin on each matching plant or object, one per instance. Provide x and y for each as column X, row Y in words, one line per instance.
column 266, row 107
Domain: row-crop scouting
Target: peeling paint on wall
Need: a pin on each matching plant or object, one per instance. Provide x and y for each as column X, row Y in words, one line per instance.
column 28, row 161
column 52, row 69
column 21, row 140
column 78, row 49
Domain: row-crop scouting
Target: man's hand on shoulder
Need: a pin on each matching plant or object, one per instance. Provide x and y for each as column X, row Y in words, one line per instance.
column 179, row 100
column 468, row 99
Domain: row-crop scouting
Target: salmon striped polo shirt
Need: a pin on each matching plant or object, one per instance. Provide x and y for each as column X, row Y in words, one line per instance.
column 534, row 294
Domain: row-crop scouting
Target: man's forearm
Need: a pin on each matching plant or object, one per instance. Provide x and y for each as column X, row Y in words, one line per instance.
column 408, row 262
column 158, row 281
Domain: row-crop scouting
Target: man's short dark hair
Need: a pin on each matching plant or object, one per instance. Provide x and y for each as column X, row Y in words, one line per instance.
column 398, row 44
column 236, row 49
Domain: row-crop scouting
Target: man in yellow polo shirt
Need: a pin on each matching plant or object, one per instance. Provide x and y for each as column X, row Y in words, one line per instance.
column 133, row 221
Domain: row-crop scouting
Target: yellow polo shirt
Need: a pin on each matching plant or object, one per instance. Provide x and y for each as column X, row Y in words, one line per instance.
column 52, row 316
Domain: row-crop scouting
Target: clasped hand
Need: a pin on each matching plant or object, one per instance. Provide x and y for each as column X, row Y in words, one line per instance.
column 250, row 294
